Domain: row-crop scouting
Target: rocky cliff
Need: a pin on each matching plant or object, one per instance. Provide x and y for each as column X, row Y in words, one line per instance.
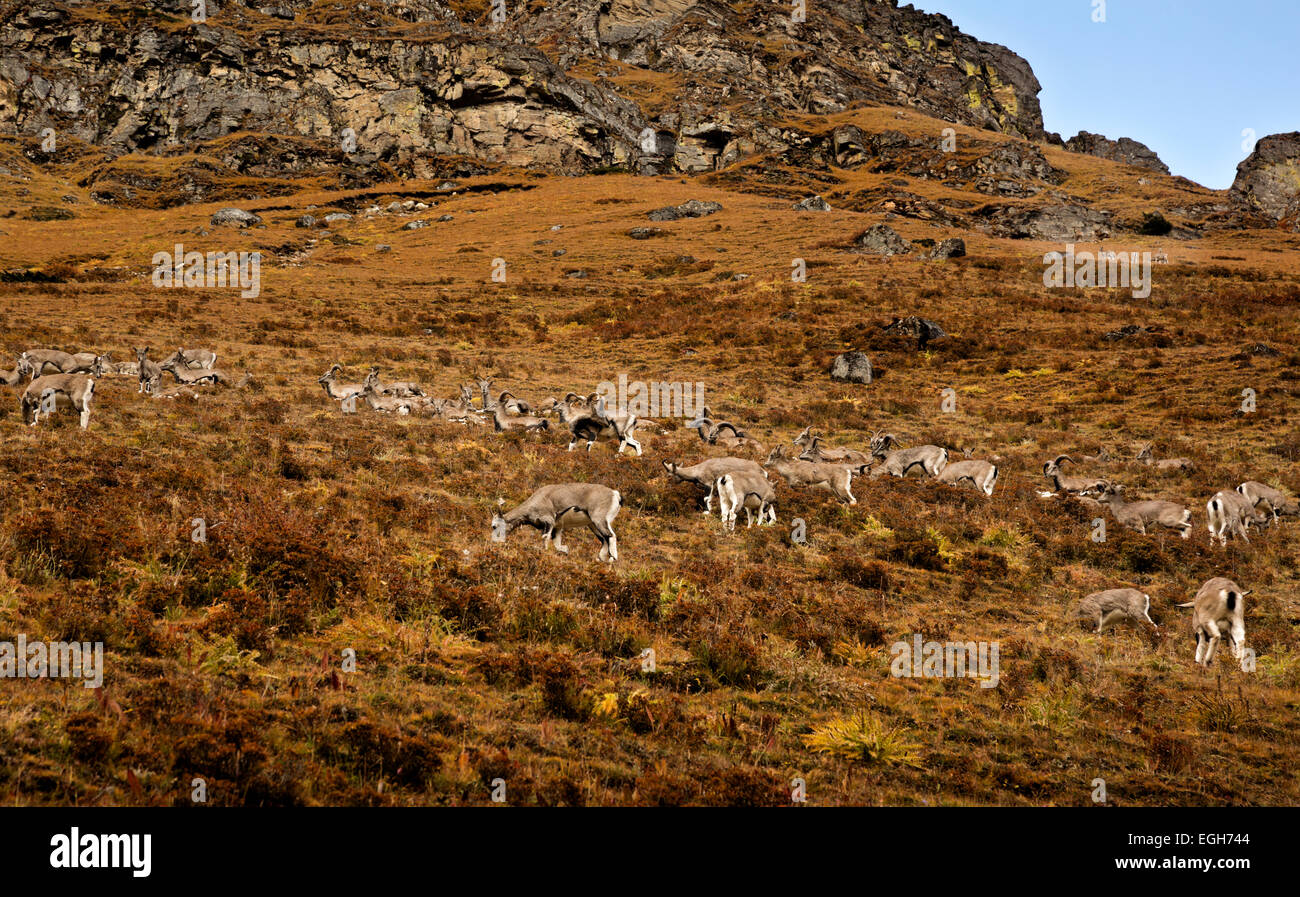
column 260, row 92
column 1125, row 150
column 1268, row 180
column 573, row 87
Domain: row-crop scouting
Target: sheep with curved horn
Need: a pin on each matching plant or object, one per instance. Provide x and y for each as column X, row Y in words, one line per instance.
column 572, row 406
column 512, row 404
column 398, row 388
column 555, row 509
column 1069, row 485
column 714, row 432
column 898, row 461
column 834, row 478
column 340, row 392
column 815, row 451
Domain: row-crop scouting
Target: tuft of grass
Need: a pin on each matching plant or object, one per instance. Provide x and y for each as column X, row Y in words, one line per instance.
column 865, row 739
column 1218, row 712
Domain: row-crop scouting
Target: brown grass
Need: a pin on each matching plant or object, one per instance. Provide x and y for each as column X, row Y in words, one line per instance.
column 478, row 661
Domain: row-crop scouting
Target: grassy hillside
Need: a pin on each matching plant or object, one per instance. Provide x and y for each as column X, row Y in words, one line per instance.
column 331, row 532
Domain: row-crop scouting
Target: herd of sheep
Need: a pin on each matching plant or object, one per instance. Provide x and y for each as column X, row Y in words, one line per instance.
column 66, row 381
column 744, row 483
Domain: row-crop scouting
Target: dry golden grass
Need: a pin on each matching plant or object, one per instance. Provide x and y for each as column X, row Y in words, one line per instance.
column 475, row 660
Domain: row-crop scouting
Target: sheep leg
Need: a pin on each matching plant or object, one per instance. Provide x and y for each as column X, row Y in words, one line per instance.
column 1238, row 633
column 1110, row 619
column 609, row 549
column 1215, row 638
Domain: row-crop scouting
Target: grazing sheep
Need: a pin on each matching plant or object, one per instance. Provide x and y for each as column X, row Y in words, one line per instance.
column 1273, row 500
column 1231, row 512
column 554, row 509
column 931, row 459
column 983, row 475
column 748, row 490
column 1113, row 606
column 1220, row 603
column 706, row 473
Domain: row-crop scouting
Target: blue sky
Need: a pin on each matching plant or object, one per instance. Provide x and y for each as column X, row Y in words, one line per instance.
column 1185, row 77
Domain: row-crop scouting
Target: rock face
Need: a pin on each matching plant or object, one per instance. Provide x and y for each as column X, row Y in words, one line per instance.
column 427, row 78
column 1268, row 181
column 851, row 367
column 812, row 204
column 923, row 330
column 131, row 84
column 949, row 249
column 235, row 217
column 1130, row 152
column 692, row 208
column 1058, row 223
column 881, row 239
